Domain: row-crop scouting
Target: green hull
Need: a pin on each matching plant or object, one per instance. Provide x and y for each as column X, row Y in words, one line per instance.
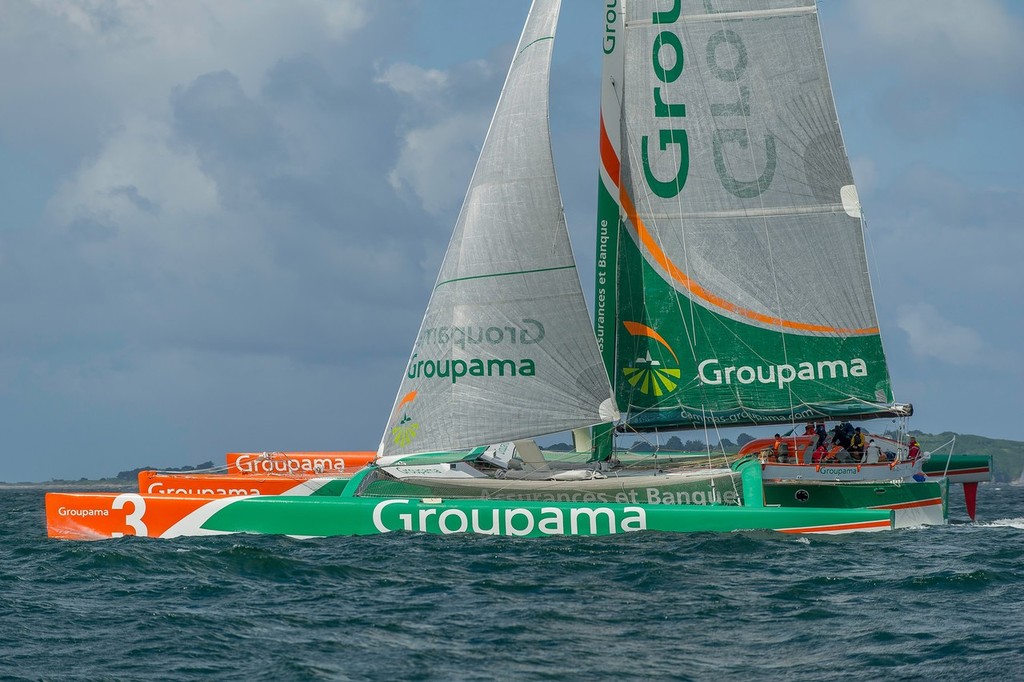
column 304, row 516
column 93, row 516
column 913, row 503
column 959, row 468
column 351, row 515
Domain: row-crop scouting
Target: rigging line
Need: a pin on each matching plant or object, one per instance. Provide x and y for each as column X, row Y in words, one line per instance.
column 874, row 307
column 691, row 322
column 714, row 488
column 689, row 332
column 738, row 90
column 689, row 302
column 700, row 79
column 668, row 400
column 697, row 320
column 842, row 141
column 732, row 477
column 648, row 203
column 824, row 116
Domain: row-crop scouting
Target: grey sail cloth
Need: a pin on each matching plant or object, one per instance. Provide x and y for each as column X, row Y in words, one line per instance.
column 506, row 349
column 761, row 221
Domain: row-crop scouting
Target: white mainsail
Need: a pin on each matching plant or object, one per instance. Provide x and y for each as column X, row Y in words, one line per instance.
column 740, row 292
column 506, row 349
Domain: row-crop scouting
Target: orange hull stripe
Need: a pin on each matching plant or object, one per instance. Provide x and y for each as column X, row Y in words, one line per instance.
column 843, row 526
column 912, row 505
column 96, row 516
column 960, row 472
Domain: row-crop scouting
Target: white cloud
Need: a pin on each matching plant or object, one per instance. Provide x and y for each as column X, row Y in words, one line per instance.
column 151, row 201
column 91, row 61
column 972, row 40
column 865, row 174
column 442, row 140
column 931, row 335
column 217, row 234
column 929, row 224
column 436, row 161
column 229, row 32
column 410, row 79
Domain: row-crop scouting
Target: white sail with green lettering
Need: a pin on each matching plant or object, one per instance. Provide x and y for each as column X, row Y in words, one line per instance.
column 506, row 349
column 732, row 282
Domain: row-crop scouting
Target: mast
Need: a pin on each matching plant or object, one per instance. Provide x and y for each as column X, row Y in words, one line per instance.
column 608, row 210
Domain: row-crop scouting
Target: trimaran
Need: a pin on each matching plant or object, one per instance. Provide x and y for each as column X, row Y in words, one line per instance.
column 722, row 174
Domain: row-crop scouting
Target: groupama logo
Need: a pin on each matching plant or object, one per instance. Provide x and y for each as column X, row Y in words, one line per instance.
column 647, row 374
column 404, row 432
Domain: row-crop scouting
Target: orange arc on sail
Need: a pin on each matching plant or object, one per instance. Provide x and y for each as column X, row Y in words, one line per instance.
column 408, row 398
column 611, row 164
column 700, row 292
column 637, row 329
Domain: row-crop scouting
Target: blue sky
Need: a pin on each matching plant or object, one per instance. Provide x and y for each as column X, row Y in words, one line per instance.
column 221, row 220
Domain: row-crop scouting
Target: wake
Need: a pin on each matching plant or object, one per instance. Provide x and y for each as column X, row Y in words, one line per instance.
column 1017, row 523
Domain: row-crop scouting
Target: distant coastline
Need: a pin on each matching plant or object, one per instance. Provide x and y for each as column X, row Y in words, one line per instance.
column 81, row 484
column 123, row 480
column 1007, row 460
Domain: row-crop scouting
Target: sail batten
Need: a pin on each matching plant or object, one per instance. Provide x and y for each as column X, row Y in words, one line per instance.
column 730, row 16
column 506, row 274
column 754, row 212
column 740, row 291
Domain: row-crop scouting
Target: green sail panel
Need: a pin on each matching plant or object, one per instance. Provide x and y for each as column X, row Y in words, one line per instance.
column 742, row 286
column 688, row 366
column 506, row 349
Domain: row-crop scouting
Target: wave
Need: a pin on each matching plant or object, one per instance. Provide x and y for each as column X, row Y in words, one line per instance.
column 1017, row 523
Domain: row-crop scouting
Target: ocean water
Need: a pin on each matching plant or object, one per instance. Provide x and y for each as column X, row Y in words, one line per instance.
column 942, row 603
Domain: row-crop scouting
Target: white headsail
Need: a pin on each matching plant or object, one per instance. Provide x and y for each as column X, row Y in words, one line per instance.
column 506, row 349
